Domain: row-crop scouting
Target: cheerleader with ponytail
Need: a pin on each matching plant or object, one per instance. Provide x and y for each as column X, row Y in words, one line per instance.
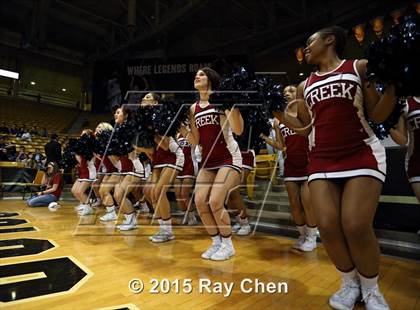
column 221, row 163
column 86, row 171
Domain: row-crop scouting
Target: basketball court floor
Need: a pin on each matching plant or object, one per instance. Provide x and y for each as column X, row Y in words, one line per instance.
column 52, row 260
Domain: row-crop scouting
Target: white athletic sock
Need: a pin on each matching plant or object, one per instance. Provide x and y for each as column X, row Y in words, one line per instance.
column 311, row 230
column 167, row 226
column 216, row 240
column 301, row 229
column 351, row 275
column 129, row 217
column 368, row 282
column 110, row 209
column 160, row 224
column 227, row 241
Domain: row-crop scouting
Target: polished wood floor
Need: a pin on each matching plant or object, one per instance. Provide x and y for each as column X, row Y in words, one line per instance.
column 111, row 259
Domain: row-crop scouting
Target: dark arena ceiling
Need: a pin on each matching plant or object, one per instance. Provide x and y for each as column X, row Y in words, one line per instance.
column 86, row 30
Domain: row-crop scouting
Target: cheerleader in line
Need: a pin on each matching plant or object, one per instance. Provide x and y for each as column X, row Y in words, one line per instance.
column 122, row 165
column 184, row 182
column 167, row 162
column 86, row 176
column 104, row 167
column 296, row 176
column 347, row 164
column 408, row 131
column 220, row 165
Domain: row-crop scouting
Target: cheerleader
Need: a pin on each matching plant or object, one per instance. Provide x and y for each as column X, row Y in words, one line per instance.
column 408, row 130
column 86, row 176
column 129, row 183
column 346, row 164
column 98, row 181
column 150, row 99
column 167, row 162
column 184, row 182
column 242, row 227
column 220, row 165
column 295, row 177
column 118, row 167
column 104, row 167
column 124, row 166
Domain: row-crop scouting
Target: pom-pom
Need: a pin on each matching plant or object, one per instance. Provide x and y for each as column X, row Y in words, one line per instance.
column 84, row 146
column 103, row 138
column 68, row 160
column 394, row 58
column 237, row 89
column 256, row 123
column 382, row 130
column 121, row 141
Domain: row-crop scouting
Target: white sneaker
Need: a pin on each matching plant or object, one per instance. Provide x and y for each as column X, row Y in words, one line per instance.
column 156, row 235
column 128, row 225
column 223, row 253
column 346, row 297
column 109, row 216
column 298, row 244
column 87, row 210
column 309, row 244
column 373, row 299
column 245, row 228
column 237, row 225
column 211, row 250
column 164, row 236
column 80, row 207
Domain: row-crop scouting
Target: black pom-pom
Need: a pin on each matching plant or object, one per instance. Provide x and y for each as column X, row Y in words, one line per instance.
column 102, row 141
column 68, row 160
column 84, row 146
column 121, row 141
column 394, row 58
column 382, row 130
column 237, row 89
column 256, row 123
column 275, row 99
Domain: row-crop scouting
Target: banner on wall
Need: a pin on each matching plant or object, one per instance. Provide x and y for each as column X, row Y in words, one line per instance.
column 112, row 80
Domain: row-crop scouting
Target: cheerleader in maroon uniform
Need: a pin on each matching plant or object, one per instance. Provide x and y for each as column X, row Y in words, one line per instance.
column 296, row 176
column 86, row 176
column 105, row 169
column 167, row 162
column 408, row 130
column 123, row 166
column 235, row 202
column 220, row 165
column 184, row 182
column 346, row 164
column 99, row 166
column 130, row 181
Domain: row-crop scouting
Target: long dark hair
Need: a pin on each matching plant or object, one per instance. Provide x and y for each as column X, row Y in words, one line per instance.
column 340, row 37
column 213, row 77
column 56, row 169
